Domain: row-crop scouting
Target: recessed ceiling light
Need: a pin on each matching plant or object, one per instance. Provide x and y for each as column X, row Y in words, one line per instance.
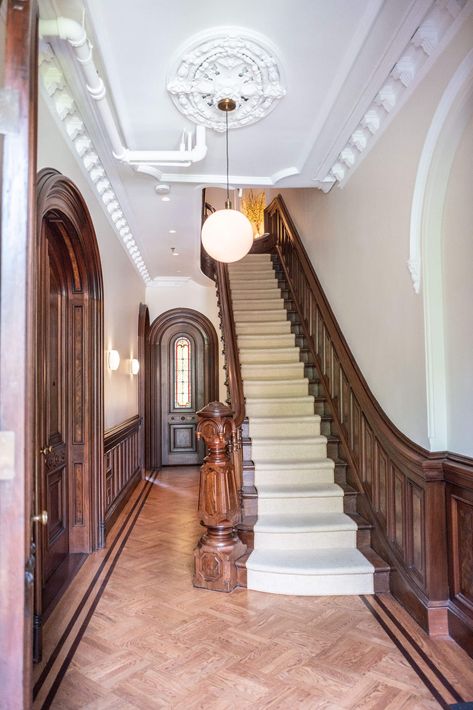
column 166, row 198
column 172, row 231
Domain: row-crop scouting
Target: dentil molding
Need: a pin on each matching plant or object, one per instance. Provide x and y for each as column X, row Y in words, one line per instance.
column 63, row 105
column 226, row 62
column 418, row 55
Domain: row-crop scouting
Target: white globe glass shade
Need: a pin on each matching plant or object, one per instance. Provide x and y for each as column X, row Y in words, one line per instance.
column 227, row 235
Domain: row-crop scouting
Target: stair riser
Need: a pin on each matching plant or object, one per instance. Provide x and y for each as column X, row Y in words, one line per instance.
column 245, row 284
column 277, row 355
column 279, row 450
column 256, row 293
column 310, row 585
column 269, row 409
column 259, row 316
column 252, row 343
column 274, row 428
column 276, row 328
column 263, row 390
column 258, row 305
column 258, row 265
column 253, row 280
column 316, row 540
column 295, row 476
column 281, row 371
column 292, row 505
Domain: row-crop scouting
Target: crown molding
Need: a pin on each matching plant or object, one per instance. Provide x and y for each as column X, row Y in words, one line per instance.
column 435, row 31
column 60, row 101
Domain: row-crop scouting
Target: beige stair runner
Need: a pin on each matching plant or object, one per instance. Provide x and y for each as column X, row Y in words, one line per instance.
column 304, row 543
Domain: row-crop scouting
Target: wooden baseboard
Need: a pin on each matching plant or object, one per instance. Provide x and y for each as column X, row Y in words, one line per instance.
column 460, row 628
column 119, row 503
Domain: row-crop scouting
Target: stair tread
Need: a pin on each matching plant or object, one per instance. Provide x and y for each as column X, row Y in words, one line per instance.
column 304, row 522
column 298, row 380
column 290, row 418
column 293, row 463
column 300, row 490
column 290, row 399
column 304, row 438
column 324, row 561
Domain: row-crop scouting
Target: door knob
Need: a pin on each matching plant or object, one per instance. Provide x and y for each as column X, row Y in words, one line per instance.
column 41, row 518
column 46, row 450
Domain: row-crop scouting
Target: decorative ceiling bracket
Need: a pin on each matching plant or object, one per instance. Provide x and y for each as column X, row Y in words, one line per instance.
column 226, row 62
column 419, row 53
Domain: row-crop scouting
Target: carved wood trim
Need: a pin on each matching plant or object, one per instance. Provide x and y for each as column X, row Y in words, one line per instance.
column 175, row 316
column 400, row 483
column 65, row 233
column 219, row 506
column 144, row 403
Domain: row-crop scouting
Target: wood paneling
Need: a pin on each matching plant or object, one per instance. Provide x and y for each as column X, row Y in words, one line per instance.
column 402, row 483
column 459, row 491
column 122, row 464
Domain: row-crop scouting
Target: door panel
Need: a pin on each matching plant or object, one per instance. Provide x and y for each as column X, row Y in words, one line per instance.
column 55, row 479
column 183, row 387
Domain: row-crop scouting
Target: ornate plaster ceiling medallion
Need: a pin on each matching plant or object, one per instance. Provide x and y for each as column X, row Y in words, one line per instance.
column 226, row 63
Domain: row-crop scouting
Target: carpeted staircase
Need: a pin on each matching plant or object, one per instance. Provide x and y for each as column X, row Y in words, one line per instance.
column 303, row 541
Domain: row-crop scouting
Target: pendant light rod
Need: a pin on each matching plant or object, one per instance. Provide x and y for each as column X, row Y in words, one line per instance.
column 227, row 105
column 226, row 146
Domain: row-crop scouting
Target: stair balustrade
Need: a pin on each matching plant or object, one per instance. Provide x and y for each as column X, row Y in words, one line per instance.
column 400, row 485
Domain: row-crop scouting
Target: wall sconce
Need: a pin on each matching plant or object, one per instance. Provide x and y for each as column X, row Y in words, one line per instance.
column 113, row 359
column 134, row 366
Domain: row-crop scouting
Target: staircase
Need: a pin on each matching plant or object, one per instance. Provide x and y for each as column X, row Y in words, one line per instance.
column 304, row 542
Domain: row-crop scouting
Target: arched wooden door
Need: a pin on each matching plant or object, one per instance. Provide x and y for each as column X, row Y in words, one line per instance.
column 69, row 389
column 184, row 372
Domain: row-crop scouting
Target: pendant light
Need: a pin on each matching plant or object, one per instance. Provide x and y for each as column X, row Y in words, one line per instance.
column 227, row 235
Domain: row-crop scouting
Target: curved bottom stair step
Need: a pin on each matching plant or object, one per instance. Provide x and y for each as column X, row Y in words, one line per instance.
column 310, row 572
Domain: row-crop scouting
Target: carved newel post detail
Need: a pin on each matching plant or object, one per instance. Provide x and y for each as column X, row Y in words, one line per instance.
column 219, row 505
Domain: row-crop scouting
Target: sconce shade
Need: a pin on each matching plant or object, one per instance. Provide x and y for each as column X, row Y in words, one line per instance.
column 227, row 235
column 113, row 359
column 134, row 366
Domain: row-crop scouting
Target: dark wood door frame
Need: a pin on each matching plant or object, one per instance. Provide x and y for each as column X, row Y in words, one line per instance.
column 144, row 400
column 175, row 316
column 66, row 232
column 16, row 356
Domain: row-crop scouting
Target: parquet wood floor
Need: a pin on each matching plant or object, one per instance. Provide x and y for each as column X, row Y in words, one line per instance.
column 153, row 641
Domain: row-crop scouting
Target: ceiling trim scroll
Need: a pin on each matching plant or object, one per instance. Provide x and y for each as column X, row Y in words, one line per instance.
column 226, row 62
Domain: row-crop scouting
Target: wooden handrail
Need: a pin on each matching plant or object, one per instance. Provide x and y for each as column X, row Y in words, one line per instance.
column 232, row 358
column 401, row 485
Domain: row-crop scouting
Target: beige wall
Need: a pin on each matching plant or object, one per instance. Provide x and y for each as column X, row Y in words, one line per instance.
column 165, row 294
column 121, row 303
column 358, row 240
column 458, row 296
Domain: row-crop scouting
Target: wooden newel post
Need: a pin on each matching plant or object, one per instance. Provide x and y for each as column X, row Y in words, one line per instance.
column 219, row 505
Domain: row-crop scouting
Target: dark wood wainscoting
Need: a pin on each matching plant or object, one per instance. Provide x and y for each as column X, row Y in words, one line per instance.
column 123, row 467
column 459, row 494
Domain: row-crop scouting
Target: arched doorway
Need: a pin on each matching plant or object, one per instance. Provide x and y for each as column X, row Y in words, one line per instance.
column 183, row 371
column 69, row 483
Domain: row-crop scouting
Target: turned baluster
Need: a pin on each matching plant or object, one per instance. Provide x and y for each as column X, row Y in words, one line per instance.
column 219, row 505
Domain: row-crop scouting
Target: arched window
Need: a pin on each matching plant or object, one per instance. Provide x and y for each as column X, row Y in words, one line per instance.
column 182, row 373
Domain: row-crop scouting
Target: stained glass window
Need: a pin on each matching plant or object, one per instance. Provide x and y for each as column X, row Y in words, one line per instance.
column 182, row 373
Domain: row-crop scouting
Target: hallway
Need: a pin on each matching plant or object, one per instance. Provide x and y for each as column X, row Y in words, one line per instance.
column 132, row 632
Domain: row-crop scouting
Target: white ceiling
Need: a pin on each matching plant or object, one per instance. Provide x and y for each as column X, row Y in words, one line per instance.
column 334, row 56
